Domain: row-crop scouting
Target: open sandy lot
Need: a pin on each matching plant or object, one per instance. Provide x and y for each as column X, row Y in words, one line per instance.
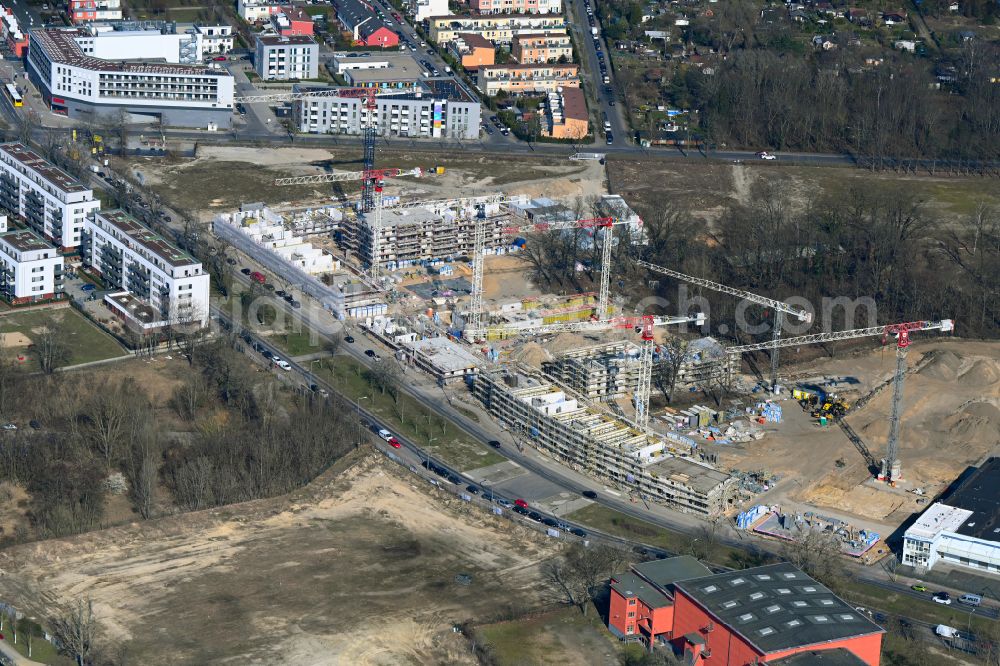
column 951, row 419
column 358, row 568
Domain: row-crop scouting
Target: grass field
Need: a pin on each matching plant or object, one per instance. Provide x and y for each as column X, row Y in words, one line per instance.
column 86, row 342
column 41, row 650
column 559, row 637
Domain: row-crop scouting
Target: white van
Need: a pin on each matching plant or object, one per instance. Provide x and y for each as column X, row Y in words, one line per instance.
column 385, row 434
column 970, row 599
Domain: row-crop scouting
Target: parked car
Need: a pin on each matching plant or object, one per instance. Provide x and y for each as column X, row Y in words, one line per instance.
column 370, row 353
column 258, row 277
column 9, row 426
column 296, row 304
column 35, row 425
column 220, row 58
column 349, row 339
column 578, row 532
column 521, row 503
column 521, row 510
column 288, row 298
column 280, row 293
column 282, row 363
column 943, row 598
column 245, row 271
column 385, row 434
column 268, row 286
column 589, row 494
column 472, row 490
column 534, row 515
column 967, row 599
column 918, row 588
column 321, row 391
column 505, row 503
column 610, row 138
column 394, row 443
column 494, row 443
column 87, row 288
column 764, row 155
column 551, row 522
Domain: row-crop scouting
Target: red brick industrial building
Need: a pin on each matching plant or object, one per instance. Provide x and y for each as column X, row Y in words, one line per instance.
column 774, row 614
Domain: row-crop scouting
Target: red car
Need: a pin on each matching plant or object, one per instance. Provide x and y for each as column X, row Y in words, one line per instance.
column 394, row 443
column 257, row 276
column 220, row 59
column 521, row 503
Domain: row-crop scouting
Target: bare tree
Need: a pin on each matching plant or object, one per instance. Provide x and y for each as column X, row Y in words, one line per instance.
column 385, row 374
column 142, row 465
column 75, row 627
column 666, row 372
column 114, row 414
column 50, row 347
column 578, row 575
column 819, row 555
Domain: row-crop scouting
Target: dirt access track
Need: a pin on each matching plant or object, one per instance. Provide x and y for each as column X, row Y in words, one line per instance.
column 357, row 568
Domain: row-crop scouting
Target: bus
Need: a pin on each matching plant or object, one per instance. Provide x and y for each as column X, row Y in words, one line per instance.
column 14, row 97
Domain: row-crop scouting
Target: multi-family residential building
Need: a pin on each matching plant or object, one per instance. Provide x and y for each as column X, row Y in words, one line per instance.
column 566, row 114
column 50, row 201
column 171, row 286
column 472, row 51
column 31, row 268
column 10, row 30
column 961, row 529
column 292, row 20
column 82, row 85
column 129, row 40
column 254, row 11
column 366, row 28
column 424, row 9
column 377, row 69
column 516, row 6
column 215, row 38
column 81, row 11
column 279, row 58
column 497, row 28
column 440, row 110
column 527, row 78
column 592, row 442
column 534, row 48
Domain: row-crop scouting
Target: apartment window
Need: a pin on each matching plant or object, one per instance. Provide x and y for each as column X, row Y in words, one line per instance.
column 631, row 602
column 631, row 613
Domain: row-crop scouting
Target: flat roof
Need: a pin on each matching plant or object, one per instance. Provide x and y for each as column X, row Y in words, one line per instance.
column 147, row 238
column 555, row 66
column 669, row 571
column 835, row 657
column 700, row 477
column 53, row 174
column 629, row 585
column 444, row 354
column 25, row 240
column 778, row 607
column 134, row 308
column 936, row 519
column 285, row 40
column 399, row 69
column 980, row 494
column 61, row 47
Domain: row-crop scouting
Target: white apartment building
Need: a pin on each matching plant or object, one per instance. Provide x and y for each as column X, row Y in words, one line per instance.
column 50, row 201
column 962, row 530
column 110, row 42
column 215, row 38
column 252, row 11
column 31, row 268
column 280, row 57
column 424, row 9
column 130, row 256
column 87, row 86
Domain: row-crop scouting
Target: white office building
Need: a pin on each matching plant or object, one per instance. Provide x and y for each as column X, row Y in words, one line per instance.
column 31, row 269
column 129, row 41
column 86, row 75
column 282, row 58
column 963, row 529
column 47, row 199
column 424, row 9
column 170, row 284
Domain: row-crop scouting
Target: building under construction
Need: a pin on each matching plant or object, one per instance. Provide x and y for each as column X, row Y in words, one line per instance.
column 592, row 442
column 611, row 370
column 416, row 234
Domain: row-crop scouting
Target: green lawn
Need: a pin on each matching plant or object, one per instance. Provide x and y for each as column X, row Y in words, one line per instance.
column 439, row 436
column 863, row 594
column 563, row 636
column 86, row 341
column 41, row 650
column 297, row 343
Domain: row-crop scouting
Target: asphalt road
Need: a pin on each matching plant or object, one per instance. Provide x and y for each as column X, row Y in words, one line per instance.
column 580, row 25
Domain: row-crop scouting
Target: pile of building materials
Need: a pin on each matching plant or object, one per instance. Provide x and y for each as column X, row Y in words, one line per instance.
column 773, row 522
column 770, row 412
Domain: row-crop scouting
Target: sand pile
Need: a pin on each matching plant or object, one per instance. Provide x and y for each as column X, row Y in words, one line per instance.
column 945, row 366
column 976, row 421
column 566, row 342
column 532, row 354
column 983, row 372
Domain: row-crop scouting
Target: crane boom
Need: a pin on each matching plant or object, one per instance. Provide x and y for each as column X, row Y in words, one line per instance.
column 800, row 313
column 344, row 176
column 590, row 325
column 874, row 331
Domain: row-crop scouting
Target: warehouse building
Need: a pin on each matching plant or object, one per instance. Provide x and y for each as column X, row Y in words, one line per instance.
column 50, row 201
column 441, row 109
column 167, row 281
column 592, row 442
column 88, row 87
column 31, row 268
column 962, row 530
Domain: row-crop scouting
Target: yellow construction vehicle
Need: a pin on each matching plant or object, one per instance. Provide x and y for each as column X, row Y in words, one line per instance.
column 832, row 407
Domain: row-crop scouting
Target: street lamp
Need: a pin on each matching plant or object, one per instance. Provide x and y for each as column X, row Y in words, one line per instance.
column 357, row 403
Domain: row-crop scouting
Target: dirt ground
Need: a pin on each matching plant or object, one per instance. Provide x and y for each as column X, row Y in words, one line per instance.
column 221, row 178
column 358, row 568
column 951, row 419
column 707, row 187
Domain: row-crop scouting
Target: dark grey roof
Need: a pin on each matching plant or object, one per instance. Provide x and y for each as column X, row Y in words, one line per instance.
column 630, row 585
column 980, row 494
column 837, row 657
column 777, row 607
column 668, row 571
column 354, row 12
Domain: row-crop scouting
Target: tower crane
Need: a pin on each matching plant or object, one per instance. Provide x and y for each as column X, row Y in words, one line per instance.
column 890, row 468
column 780, row 308
column 473, row 325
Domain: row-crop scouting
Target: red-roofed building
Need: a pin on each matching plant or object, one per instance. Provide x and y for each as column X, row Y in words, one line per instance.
column 292, row 21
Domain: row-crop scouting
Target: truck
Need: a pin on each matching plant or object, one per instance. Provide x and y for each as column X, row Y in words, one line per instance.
column 595, row 32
